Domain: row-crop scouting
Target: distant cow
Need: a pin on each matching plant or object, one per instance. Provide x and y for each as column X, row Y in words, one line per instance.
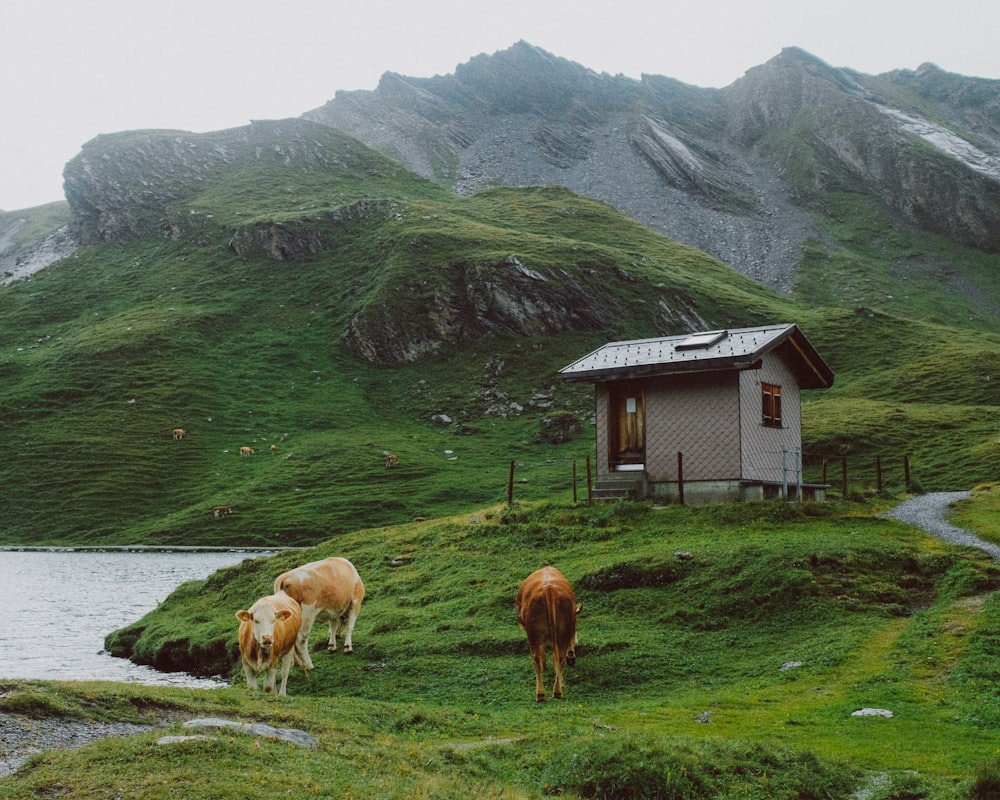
column 246, row 451
column 268, row 634
column 546, row 609
column 222, row 511
column 273, row 448
column 328, row 590
column 392, row 460
column 178, row 433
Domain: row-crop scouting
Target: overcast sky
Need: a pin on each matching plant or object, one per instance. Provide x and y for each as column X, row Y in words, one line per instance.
column 71, row 69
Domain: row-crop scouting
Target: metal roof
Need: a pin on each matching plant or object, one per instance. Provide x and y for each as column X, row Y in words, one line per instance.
column 707, row 351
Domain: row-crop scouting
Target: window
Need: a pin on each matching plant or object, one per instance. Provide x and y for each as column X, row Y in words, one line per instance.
column 771, row 404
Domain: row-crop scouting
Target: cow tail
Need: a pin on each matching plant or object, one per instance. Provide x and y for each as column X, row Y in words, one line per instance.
column 551, row 607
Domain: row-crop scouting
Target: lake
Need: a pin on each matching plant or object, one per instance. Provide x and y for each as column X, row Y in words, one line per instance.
column 56, row 607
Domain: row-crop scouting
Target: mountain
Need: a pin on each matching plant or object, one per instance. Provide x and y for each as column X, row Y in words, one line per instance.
column 750, row 173
column 286, row 283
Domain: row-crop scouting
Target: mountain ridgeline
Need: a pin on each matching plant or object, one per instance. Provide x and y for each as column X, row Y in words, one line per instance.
column 745, row 173
column 405, row 270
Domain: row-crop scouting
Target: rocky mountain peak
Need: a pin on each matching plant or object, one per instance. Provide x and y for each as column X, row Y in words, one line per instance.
column 737, row 172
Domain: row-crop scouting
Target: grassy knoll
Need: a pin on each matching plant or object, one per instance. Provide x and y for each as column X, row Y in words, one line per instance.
column 679, row 689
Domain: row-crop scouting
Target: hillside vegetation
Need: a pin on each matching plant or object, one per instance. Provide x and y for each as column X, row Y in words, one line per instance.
column 339, row 326
column 723, row 652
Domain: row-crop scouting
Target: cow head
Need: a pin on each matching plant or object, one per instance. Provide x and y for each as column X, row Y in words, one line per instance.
column 262, row 618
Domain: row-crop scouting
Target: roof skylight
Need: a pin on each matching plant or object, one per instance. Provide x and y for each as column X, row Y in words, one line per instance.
column 700, row 341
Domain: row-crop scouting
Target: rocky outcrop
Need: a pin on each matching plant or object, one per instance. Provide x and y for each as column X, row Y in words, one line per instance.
column 850, row 136
column 499, row 298
column 129, row 185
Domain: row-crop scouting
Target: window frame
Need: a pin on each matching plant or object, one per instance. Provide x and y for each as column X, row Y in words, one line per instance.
column 771, row 405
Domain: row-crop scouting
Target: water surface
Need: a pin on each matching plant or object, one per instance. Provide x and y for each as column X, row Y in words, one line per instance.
column 56, row 607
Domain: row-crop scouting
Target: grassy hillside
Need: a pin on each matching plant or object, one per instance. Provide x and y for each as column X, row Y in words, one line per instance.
column 105, row 352
column 722, row 653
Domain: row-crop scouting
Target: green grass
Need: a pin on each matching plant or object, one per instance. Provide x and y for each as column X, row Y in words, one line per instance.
column 981, row 512
column 678, row 689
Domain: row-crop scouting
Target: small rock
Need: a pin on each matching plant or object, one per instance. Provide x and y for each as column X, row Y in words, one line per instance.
column 292, row 735
column 872, row 712
column 790, row 665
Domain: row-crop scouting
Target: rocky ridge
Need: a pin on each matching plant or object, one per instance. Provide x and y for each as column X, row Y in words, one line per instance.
column 737, row 172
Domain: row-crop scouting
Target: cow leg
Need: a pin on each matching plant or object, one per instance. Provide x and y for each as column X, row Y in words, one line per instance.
column 286, row 666
column 335, row 625
column 558, row 660
column 302, row 642
column 347, row 625
column 251, row 677
column 538, row 657
column 269, row 677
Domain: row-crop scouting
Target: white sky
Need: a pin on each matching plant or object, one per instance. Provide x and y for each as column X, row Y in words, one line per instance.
column 71, row 69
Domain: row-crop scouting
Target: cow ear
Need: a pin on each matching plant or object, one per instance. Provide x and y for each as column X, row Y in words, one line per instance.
column 579, row 608
column 284, row 614
column 244, row 616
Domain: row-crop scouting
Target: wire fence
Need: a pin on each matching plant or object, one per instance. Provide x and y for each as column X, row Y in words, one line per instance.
column 573, row 477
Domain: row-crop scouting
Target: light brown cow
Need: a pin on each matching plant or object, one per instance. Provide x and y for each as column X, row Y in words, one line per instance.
column 273, row 448
column 222, row 511
column 246, row 451
column 178, row 433
column 392, row 460
column 328, row 590
column 268, row 635
column 546, row 609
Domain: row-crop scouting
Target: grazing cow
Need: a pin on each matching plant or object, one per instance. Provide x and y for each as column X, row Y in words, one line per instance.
column 392, row 460
column 269, row 634
column 546, row 609
column 222, row 511
column 328, row 590
column 246, row 451
column 273, row 448
column 178, row 433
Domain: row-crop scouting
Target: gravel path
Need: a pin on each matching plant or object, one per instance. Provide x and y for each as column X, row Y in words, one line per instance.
column 928, row 511
column 22, row 737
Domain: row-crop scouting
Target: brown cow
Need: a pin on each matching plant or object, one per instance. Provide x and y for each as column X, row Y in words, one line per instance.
column 246, row 451
column 268, row 634
column 178, row 433
column 330, row 589
column 222, row 511
column 546, row 609
column 392, row 460
column 273, row 448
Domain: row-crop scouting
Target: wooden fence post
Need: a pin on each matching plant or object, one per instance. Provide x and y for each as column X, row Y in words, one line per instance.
column 590, row 485
column 510, row 485
column 574, row 481
column 906, row 472
column 878, row 474
column 843, row 477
